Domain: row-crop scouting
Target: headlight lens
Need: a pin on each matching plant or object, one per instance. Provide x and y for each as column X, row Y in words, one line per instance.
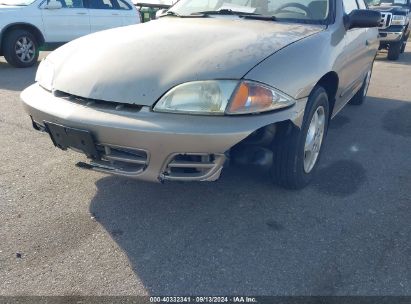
column 45, row 75
column 398, row 20
column 219, row 97
column 198, row 97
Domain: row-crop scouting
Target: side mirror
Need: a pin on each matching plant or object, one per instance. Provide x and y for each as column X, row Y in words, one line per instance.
column 53, row 4
column 161, row 12
column 363, row 18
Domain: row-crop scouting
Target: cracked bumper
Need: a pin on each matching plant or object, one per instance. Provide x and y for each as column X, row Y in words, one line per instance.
column 161, row 136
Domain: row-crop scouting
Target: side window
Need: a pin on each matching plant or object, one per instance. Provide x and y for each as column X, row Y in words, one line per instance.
column 123, row 5
column 106, row 4
column 71, row 3
column 110, row 4
column 350, row 5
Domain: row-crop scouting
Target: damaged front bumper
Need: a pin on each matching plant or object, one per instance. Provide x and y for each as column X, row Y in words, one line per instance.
column 140, row 143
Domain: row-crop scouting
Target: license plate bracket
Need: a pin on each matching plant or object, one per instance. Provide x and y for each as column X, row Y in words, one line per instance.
column 65, row 137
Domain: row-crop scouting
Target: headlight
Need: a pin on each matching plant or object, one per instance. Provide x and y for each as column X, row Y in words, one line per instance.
column 398, row 20
column 219, row 97
column 45, row 75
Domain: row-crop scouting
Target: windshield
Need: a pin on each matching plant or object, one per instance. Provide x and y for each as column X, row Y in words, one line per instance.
column 16, row 2
column 306, row 10
column 155, row 2
column 387, row 2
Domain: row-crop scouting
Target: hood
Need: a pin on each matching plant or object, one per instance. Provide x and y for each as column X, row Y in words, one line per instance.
column 138, row 64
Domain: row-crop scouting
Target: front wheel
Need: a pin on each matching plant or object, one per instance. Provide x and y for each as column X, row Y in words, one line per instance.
column 297, row 151
column 21, row 49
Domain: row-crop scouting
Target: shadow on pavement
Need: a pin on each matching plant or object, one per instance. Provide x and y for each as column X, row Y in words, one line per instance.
column 242, row 235
column 14, row 79
column 405, row 58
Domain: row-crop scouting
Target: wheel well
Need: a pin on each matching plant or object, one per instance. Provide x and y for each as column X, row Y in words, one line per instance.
column 330, row 84
column 24, row 26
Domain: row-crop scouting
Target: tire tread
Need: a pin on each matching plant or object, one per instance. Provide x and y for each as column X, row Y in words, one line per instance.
column 286, row 171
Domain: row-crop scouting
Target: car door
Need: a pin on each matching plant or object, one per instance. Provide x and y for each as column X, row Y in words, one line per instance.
column 106, row 14
column 356, row 55
column 129, row 12
column 372, row 42
column 67, row 23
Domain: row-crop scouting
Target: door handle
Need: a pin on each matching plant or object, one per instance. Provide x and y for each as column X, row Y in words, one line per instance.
column 115, row 14
column 81, row 13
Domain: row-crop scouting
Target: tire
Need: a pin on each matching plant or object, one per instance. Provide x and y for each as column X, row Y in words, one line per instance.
column 394, row 50
column 291, row 168
column 359, row 97
column 21, row 48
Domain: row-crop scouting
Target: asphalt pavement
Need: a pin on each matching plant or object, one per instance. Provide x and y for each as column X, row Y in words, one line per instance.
column 65, row 231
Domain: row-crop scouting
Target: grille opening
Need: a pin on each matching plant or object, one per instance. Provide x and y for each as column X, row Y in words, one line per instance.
column 385, row 20
column 193, row 166
column 99, row 104
column 121, row 160
column 130, row 155
column 190, row 164
column 119, row 166
column 388, row 20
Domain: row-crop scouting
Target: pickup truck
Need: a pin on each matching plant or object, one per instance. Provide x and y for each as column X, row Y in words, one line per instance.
column 394, row 28
column 27, row 26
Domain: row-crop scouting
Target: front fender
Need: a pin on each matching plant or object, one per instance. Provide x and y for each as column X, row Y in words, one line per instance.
column 297, row 68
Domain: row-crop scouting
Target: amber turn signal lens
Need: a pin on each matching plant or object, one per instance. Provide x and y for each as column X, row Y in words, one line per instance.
column 251, row 98
column 240, row 98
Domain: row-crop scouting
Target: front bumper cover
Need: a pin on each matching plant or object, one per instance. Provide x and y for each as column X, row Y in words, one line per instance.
column 393, row 33
column 158, row 136
column 390, row 36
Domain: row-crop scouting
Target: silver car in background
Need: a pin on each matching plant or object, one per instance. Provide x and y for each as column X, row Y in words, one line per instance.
column 250, row 82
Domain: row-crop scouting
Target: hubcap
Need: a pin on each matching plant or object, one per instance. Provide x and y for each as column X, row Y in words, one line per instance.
column 314, row 139
column 367, row 83
column 25, row 49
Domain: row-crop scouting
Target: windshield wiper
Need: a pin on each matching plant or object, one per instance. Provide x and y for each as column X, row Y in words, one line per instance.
column 225, row 12
column 244, row 15
column 174, row 14
column 171, row 13
column 259, row 17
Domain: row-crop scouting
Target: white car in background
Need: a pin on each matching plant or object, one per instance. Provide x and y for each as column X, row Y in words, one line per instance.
column 26, row 26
